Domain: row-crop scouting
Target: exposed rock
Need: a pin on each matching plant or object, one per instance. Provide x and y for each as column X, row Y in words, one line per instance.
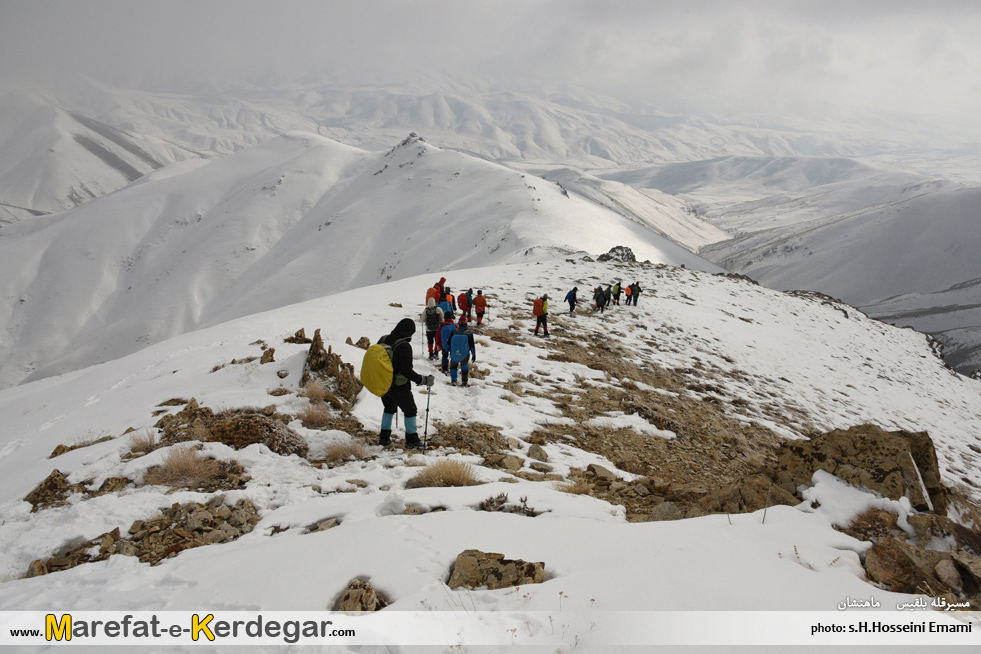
column 667, row 511
column 333, row 374
column 239, row 431
column 947, row 573
column 601, row 473
column 746, row 495
column 360, row 596
column 543, row 468
column 619, row 253
column 52, row 489
column 268, row 356
column 476, row 569
column 904, row 568
column 59, row 450
column 36, row 568
column 364, row 343
column 538, row 453
column 866, row 456
column 283, row 374
column 685, row 493
column 299, row 338
column 937, row 532
column 509, row 462
column 971, row 571
column 324, row 525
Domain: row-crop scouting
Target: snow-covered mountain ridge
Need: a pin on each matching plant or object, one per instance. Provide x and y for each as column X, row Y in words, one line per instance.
column 794, row 363
column 294, row 218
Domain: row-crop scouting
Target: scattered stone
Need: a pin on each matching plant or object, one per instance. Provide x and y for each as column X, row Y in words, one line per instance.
column 538, row 453
column 601, row 473
column 299, row 338
column 395, row 304
column 358, row 482
column 36, row 568
column 364, row 343
column 359, row 597
column 267, row 356
column 283, row 374
column 475, row 569
column 58, row 451
column 541, row 467
column 324, row 525
column 666, row 511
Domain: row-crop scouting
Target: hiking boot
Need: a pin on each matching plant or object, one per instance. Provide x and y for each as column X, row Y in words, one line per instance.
column 465, row 384
column 453, row 383
column 412, row 442
column 385, row 437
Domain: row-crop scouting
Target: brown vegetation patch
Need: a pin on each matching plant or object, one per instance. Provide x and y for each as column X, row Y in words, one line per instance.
column 467, row 437
column 445, row 472
column 874, row 524
column 143, row 441
column 84, row 440
column 183, row 467
column 499, row 504
column 280, row 391
column 498, row 335
column 338, row 453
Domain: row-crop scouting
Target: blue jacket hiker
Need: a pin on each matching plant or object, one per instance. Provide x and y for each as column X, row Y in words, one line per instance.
column 462, row 350
column 570, row 297
column 445, row 331
column 399, row 396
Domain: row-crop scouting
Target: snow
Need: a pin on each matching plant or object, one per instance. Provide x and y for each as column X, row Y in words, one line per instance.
column 791, row 351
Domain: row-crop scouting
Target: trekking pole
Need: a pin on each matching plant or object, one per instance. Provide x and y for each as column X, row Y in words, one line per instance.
column 425, row 431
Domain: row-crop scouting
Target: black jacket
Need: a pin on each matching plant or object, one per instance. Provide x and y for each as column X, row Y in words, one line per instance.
column 402, row 351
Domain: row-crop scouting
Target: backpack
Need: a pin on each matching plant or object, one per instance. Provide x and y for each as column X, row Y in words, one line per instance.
column 459, row 347
column 538, row 308
column 432, row 293
column 377, row 373
column 462, row 302
column 629, row 290
column 432, row 319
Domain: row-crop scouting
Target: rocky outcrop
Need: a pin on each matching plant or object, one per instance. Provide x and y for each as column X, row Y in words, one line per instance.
column 359, row 597
column 889, row 463
column 235, row 428
column 334, row 375
column 619, row 253
column 476, row 569
column 904, row 568
column 299, row 338
column 181, row 527
column 747, row 495
column 268, row 356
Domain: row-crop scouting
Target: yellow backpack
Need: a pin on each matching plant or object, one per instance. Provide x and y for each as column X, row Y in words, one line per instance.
column 377, row 373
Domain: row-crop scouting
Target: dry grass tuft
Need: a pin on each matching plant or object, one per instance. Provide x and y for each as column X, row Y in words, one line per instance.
column 316, row 416
column 337, row 452
column 280, row 391
column 578, row 487
column 446, row 472
column 874, row 524
column 313, row 391
column 143, row 441
column 183, row 467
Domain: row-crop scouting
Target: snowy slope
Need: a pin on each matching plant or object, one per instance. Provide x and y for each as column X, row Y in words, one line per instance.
column 671, row 216
column 54, row 159
column 293, row 218
column 750, row 194
column 795, row 362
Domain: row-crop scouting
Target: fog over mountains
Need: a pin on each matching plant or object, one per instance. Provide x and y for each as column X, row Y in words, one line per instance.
column 851, row 209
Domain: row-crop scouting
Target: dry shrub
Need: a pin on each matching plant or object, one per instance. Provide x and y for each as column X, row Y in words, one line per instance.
column 446, row 472
column 143, row 441
column 578, row 487
column 279, row 392
column 316, row 416
column 874, row 524
column 345, row 451
column 184, row 466
column 313, row 391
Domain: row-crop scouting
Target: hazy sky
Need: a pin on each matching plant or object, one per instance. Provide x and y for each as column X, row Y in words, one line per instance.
column 918, row 56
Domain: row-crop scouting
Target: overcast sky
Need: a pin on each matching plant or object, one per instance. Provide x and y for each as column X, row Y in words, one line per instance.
column 918, row 56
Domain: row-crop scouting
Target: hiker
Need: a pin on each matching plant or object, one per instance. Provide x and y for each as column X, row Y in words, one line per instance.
column 570, row 297
column 463, row 302
column 636, row 292
column 399, row 396
column 445, row 331
column 432, row 316
column 608, row 295
column 480, row 306
column 440, row 287
column 470, row 304
column 444, row 305
column 628, row 291
column 541, row 313
column 616, row 292
column 449, row 298
column 599, row 298
column 461, row 351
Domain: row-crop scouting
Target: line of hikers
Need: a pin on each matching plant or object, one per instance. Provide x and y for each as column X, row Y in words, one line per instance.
column 603, row 298
column 453, row 339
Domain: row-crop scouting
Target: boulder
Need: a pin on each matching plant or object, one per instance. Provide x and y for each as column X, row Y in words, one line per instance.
column 476, row 569
column 601, row 473
column 904, row 568
column 37, row 568
column 268, row 356
column 52, row 489
column 751, row 493
column 537, row 452
column 667, row 511
column 360, row 596
column 866, row 456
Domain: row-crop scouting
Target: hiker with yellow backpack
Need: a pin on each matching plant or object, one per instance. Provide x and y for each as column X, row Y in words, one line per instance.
column 387, row 372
